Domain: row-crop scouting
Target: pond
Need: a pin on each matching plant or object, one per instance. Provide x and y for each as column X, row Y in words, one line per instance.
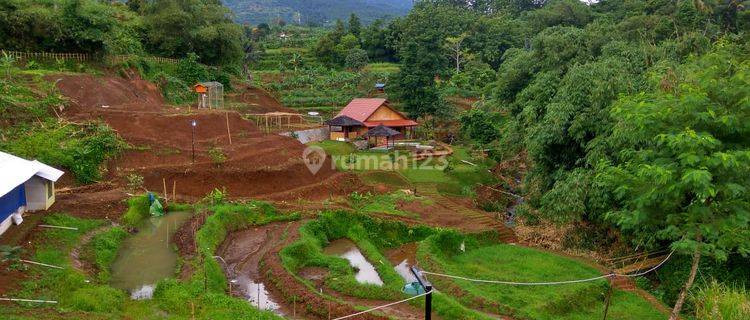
column 148, row 256
column 365, row 271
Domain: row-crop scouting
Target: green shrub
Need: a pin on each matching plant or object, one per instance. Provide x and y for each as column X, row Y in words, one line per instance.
column 138, row 209
column 719, row 301
column 82, row 149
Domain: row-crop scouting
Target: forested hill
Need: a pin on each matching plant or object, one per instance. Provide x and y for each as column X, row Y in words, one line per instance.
column 315, row 11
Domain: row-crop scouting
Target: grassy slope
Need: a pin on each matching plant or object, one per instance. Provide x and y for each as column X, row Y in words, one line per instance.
column 514, row 263
column 458, row 180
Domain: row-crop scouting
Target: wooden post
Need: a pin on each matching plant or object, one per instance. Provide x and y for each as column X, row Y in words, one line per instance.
column 174, row 188
column 608, row 298
column 229, row 133
column 164, row 182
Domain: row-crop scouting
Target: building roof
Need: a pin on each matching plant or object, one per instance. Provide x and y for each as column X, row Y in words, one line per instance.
column 391, row 123
column 14, row 171
column 382, row 131
column 344, row 121
column 361, row 108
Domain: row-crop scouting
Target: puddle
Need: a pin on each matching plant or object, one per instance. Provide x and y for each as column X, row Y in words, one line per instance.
column 404, row 270
column 148, row 256
column 403, row 258
column 255, row 293
column 365, row 271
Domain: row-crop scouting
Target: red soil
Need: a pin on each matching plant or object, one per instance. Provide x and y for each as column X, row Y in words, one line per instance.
column 255, row 164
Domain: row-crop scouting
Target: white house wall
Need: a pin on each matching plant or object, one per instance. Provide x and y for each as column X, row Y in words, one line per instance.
column 36, row 194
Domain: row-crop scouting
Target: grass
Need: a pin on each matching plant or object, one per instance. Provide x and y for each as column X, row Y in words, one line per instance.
column 719, row 301
column 384, row 203
column 335, row 148
column 102, row 250
column 487, row 260
column 390, row 168
column 372, row 237
column 138, row 210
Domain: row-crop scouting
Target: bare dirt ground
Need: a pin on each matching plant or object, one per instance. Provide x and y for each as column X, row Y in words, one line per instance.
column 253, row 165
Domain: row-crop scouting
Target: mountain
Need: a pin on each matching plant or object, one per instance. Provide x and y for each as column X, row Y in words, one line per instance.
column 315, row 11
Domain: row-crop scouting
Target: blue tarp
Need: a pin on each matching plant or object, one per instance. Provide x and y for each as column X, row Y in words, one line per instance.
column 11, row 201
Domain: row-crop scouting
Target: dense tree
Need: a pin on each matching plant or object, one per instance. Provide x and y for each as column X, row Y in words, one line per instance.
column 176, row 27
column 355, row 26
column 681, row 171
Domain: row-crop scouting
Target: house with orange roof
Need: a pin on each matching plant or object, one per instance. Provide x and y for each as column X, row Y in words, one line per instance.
column 364, row 114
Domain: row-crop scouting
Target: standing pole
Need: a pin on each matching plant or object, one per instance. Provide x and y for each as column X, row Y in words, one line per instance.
column 427, row 288
column 608, row 298
column 192, row 126
column 229, row 133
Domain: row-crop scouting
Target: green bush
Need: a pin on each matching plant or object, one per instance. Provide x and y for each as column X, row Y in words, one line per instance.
column 719, row 301
column 82, row 149
column 138, row 209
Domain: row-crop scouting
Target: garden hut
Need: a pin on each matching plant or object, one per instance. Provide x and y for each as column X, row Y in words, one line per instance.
column 382, row 131
column 211, row 94
column 24, row 186
column 342, row 127
column 380, row 87
column 370, row 113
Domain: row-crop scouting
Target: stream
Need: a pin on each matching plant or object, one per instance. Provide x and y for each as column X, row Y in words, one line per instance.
column 148, row 256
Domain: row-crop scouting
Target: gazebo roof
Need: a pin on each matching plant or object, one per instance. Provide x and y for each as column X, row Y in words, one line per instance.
column 382, row 131
column 344, row 121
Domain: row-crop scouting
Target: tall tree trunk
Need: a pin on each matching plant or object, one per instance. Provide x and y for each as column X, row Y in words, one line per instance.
column 683, row 293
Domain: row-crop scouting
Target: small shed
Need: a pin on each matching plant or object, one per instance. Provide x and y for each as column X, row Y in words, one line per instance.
column 210, row 94
column 25, row 185
column 380, row 87
column 341, row 128
column 382, row 131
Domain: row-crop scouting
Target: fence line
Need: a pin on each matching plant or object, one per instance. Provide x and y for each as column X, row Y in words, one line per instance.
column 81, row 57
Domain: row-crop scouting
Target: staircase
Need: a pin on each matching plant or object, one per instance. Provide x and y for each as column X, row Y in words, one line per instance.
column 475, row 216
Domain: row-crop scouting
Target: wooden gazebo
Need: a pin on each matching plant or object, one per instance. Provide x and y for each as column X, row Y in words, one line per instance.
column 382, row 131
column 341, row 126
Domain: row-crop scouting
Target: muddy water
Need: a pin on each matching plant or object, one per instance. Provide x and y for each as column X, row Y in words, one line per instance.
column 403, row 258
column 242, row 252
column 346, row 249
column 147, row 257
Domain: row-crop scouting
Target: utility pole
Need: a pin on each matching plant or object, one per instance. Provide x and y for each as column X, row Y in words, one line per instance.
column 427, row 288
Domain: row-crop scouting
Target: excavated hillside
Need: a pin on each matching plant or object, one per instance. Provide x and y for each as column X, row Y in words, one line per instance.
column 254, row 164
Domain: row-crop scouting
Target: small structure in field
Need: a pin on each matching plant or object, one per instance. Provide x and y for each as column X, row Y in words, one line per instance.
column 380, row 87
column 24, row 186
column 360, row 115
column 379, row 132
column 210, row 94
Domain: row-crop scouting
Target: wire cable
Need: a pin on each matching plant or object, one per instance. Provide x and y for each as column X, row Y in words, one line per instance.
column 609, row 275
column 383, row 306
column 633, row 275
column 512, row 283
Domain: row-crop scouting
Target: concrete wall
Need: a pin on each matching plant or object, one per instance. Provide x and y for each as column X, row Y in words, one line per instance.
column 311, row 135
column 37, row 195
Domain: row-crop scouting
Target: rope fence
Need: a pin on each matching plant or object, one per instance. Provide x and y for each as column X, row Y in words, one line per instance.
column 383, row 306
